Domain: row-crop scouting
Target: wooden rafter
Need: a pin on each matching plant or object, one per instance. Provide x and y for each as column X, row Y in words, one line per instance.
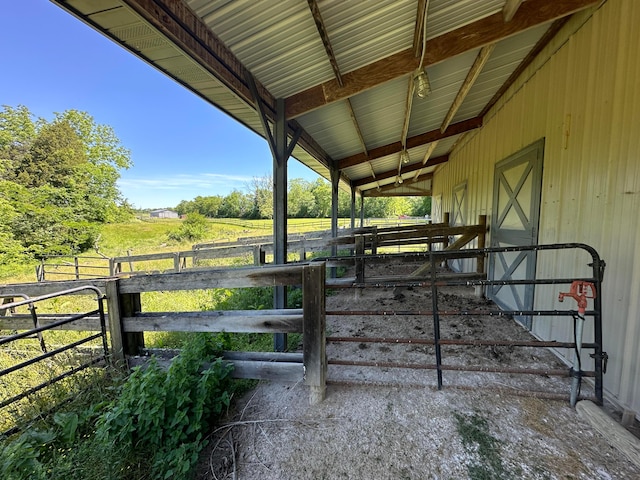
column 394, row 173
column 472, row 76
column 546, row 38
column 417, row 33
column 409, row 188
column 510, row 8
column 412, row 142
column 488, row 30
column 322, row 31
column 188, row 32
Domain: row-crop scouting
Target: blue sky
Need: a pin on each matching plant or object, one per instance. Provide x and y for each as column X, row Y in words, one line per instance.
column 181, row 147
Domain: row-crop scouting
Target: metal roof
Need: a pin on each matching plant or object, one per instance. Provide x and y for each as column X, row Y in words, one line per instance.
column 344, row 69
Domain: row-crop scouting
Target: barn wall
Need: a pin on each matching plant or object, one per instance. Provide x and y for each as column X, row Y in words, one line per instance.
column 581, row 95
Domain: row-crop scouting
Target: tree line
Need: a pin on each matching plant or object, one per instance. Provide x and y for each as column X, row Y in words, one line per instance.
column 305, row 199
column 57, row 182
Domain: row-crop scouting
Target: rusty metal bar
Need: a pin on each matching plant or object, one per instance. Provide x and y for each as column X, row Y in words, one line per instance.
column 477, row 343
column 459, row 368
column 490, row 313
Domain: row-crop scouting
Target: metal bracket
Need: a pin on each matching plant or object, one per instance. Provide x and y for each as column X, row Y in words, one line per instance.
column 604, row 356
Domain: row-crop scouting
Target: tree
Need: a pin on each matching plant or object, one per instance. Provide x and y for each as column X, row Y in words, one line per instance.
column 321, row 191
column 58, row 180
column 261, row 191
column 301, row 203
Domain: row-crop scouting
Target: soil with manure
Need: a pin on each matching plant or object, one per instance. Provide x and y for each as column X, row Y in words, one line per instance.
column 393, row 423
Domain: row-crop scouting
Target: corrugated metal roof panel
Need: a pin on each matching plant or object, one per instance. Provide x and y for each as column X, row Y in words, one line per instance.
column 333, row 129
column 507, row 55
column 446, row 15
column 446, row 79
column 380, row 112
column 354, row 42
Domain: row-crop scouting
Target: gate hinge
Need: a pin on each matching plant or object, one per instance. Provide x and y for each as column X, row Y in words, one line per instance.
column 604, row 356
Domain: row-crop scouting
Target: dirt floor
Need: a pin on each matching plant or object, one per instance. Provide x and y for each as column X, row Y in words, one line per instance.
column 393, row 423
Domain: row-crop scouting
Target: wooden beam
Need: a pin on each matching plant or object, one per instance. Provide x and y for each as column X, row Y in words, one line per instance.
column 510, row 8
column 472, row 76
column 417, row 32
column 393, row 173
column 418, row 140
column 543, row 42
column 322, row 31
column 182, row 27
column 477, row 34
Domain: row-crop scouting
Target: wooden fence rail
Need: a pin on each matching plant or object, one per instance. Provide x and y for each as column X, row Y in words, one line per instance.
column 128, row 319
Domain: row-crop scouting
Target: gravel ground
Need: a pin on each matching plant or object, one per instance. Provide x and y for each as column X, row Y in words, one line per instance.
column 390, row 423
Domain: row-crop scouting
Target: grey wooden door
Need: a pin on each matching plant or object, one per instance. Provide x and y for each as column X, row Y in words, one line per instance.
column 516, row 211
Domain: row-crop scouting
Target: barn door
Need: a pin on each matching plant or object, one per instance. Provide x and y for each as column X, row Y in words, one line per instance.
column 516, row 208
column 458, row 218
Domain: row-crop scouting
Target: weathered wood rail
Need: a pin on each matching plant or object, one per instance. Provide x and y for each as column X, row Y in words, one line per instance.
column 128, row 320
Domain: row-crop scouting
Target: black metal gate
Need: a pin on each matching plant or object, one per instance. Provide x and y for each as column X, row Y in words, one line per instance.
column 435, row 283
column 15, row 360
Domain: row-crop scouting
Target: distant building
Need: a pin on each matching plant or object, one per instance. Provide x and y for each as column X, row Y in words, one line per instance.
column 163, row 213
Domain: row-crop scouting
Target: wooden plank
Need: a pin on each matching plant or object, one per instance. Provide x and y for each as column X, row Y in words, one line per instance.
column 274, row 371
column 246, row 321
column 198, row 279
column 46, row 288
column 482, row 32
column 292, row 357
column 472, row 76
column 418, row 140
column 118, row 358
column 130, row 304
column 614, row 433
column 510, row 8
column 314, row 331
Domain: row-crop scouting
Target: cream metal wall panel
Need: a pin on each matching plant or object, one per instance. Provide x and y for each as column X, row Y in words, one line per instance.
column 581, row 95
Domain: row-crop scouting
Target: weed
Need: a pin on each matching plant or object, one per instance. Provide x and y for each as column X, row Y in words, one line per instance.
column 476, row 439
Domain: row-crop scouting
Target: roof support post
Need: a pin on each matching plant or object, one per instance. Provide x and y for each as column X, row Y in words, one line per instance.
column 353, row 207
column 361, row 209
column 281, row 155
column 280, row 151
column 335, row 180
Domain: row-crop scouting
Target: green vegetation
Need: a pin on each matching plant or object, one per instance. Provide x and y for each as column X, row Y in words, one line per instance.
column 478, row 441
column 305, row 200
column 152, row 428
column 57, row 183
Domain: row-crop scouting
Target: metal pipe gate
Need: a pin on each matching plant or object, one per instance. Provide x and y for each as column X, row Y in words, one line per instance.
column 434, row 282
column 36, row 332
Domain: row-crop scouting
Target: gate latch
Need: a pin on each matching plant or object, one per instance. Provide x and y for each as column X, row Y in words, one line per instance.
column 604, row 356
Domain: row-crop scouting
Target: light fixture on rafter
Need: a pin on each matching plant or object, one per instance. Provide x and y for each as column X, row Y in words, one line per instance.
column 421, row 83
column 400, row 179
column 404, row 156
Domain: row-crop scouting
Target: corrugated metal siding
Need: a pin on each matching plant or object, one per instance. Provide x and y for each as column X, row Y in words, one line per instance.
column 580, row 95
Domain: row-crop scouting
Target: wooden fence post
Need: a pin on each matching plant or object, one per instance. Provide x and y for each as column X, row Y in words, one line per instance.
column 360, row 261
column 374, row 240
column 314, row 330
column 115, row 324
column 129, row 306
column 259, row 256
column 77, row 267
column 176, row 262
column 482, row 221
